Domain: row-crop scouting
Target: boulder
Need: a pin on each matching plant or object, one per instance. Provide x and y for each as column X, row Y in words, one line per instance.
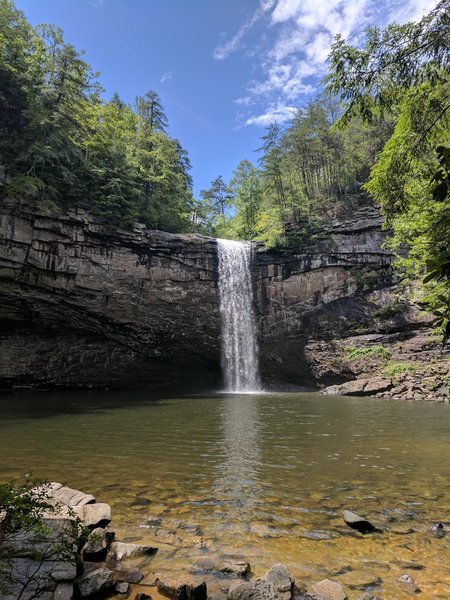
column 120, row 550
column 95, row 582
column 276, row 584
column 182, row 588
column 129, row 575
column 96, row 546
column 282, row 580
column 68, row 496
column 95, row 515
column 356, row 522
column 327, row 590
column 122, row 587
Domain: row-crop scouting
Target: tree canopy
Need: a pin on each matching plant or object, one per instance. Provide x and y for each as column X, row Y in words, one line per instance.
column 404, row 70
column 62, row 147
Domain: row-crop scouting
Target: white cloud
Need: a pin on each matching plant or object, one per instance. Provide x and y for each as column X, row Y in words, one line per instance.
column 244, row 101
column 167, row 76
column 274, row 114
column 299, row 36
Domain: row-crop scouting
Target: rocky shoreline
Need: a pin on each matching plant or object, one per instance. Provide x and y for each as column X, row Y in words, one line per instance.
column 99, row 566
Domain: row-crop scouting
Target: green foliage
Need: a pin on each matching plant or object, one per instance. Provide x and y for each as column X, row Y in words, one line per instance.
column 405, row 71
column 63, row 148
column 309, row 172
column 354, row 353
column 23, row 508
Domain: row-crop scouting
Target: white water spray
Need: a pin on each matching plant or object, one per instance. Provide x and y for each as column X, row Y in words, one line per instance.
column 239, row 346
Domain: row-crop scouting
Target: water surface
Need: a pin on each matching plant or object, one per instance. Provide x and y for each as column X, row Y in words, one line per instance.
column 261, row 477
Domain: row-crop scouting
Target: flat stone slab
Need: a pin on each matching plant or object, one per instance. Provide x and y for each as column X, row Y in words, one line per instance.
column 120, row 550
column 359, row 387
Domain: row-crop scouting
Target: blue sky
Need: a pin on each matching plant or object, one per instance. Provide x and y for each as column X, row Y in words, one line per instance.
column 224, row 69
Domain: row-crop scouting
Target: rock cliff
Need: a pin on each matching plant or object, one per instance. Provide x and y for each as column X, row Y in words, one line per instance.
column 319, row 291
column 82, row 304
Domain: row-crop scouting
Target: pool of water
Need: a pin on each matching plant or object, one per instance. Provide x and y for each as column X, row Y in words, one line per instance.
column 263, row 478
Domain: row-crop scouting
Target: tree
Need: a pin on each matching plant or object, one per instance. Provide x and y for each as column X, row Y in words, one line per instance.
column 246, row 190
column 405, row 70
column 151, row 112
column 217, row 198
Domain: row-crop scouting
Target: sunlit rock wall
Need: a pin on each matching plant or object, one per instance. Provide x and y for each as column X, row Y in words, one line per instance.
column 318, row 291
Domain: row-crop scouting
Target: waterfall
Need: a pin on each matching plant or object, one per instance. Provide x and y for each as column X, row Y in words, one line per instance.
column 239, row 347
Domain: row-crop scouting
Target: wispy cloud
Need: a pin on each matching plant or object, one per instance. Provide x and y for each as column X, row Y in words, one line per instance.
column 167, row 76
column 274, row 114
column 226, row 48
column 97, row 3
column 299, row 35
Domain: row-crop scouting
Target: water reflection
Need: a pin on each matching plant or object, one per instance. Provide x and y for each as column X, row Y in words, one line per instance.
column 237, row 480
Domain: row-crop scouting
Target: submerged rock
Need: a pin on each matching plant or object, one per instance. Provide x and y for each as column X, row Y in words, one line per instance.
column 182, row 588
column 228, row 566
column 437, row 530
column 327, row 590
column 356, row 522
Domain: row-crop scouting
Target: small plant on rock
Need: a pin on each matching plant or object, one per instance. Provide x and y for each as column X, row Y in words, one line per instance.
column 31, row 534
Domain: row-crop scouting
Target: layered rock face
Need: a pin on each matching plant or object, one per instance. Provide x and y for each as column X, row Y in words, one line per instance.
column 318, row 291
column 82, row 304
column 85, row 305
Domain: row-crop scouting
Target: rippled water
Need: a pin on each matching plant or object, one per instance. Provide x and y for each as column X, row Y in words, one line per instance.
column 260, row 477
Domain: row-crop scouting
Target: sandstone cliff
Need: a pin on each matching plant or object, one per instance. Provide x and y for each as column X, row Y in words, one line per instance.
column 82, row 304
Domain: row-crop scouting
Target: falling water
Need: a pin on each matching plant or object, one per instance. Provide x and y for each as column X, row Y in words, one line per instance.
column 239, row 347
